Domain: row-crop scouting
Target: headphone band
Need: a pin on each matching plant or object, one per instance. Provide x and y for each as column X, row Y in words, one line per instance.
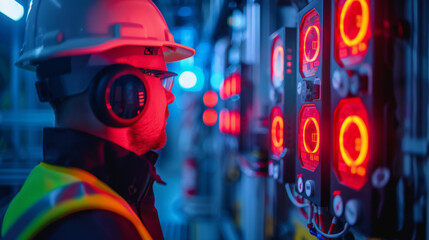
column 53, row 87
column 118, row 92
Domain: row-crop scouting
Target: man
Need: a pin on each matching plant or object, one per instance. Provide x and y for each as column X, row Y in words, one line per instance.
column 101, row 66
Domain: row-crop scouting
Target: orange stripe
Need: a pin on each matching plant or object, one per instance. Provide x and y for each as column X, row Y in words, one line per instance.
column 112, row 199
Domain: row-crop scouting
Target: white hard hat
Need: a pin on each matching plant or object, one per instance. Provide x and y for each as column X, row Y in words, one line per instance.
column 58, row 28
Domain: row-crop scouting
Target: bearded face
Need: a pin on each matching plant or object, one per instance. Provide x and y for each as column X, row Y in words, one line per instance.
column 149, row 132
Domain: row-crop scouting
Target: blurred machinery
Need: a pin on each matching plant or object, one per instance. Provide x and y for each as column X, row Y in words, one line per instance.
column 282, row 94
column 296, row 119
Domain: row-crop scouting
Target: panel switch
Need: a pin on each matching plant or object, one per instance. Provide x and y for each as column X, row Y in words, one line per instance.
column 309, row 188
column 352, row 212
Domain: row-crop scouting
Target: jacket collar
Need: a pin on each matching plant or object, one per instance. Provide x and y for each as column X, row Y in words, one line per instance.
column 127, row 173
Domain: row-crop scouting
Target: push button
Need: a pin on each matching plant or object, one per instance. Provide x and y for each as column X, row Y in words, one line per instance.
column 352, row 211
column 309, row 188
column 340, row 82
column 300, row 185
column 308, row 91
column 338, row 205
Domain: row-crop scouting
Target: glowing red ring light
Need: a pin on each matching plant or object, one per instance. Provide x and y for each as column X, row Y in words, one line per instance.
column 318, row 44
column 278, row 50
column 364, row 141
column 277, row 142
column 316, row 124
column 364, row 25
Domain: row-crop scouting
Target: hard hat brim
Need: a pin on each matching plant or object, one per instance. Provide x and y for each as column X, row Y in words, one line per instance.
column 172, row 51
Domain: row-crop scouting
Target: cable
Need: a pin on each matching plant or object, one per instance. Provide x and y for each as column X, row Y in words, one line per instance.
column 292, row 199
column 316, row 215
column 336, row 235
column 321, row 222
column 310, row 219
column 332, row 227
column 304, row 213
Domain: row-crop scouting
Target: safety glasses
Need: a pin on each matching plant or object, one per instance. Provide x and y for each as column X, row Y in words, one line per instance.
column 166, row 77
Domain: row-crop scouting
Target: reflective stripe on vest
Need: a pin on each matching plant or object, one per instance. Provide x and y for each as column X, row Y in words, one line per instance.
column 87, row 194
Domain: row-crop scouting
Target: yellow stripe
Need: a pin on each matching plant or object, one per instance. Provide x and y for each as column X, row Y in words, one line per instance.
column 107, row 200
column 40, row 182
column 82, row 175
column 117, row 199
column 101, row 202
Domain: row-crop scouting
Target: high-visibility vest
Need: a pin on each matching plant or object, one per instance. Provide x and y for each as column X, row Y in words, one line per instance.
column 53, row 192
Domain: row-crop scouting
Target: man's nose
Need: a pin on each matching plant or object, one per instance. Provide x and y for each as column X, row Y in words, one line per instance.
column 170, row 97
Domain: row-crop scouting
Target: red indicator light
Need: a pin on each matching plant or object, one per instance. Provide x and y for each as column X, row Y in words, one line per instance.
column 277, row 131
column 225, row 88
column 235, row 84
column 277, row 62
column 141, row 98
column 235, row 123
column 352, row 31
column 309, row 137
column 222, row 92
column 310, row 46
column 351, row 142
column 230, row 86
column 209, row 117
column 224, row 122
column 210, row 98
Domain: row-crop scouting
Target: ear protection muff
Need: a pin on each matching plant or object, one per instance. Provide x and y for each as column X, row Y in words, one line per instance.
column 118, row 95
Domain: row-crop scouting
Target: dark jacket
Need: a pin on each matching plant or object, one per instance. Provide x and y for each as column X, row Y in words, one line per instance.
column 130, row 175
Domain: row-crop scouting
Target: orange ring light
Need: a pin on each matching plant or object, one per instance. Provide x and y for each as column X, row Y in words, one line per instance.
column 318, row 44
column 318, row 135
column 363, row 130
column 364, row 25
column 277, row 142
column 278, row 72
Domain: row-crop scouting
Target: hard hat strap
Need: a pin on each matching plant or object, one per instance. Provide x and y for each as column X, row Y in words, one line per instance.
column 53, row 87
